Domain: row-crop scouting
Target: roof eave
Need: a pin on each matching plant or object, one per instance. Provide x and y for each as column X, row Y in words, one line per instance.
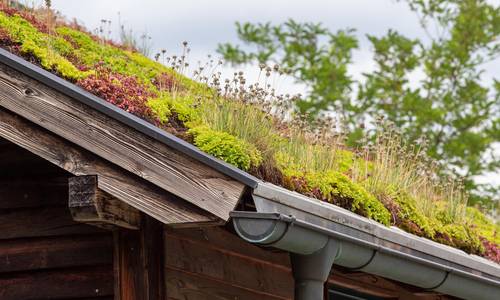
column 396, row 251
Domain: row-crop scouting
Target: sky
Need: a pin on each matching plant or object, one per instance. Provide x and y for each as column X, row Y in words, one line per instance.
column 205, row 23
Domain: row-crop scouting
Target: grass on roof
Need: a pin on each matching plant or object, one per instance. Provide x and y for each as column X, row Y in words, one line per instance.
column 252, row 127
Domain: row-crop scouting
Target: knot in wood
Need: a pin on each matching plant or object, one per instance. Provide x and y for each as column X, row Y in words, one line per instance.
column 28, row 92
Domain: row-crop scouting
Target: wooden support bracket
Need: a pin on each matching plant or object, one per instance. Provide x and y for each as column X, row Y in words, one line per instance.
column 89, row 204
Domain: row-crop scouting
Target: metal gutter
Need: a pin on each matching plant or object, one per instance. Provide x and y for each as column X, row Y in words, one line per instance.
column 315, row 248
column 304, row 226
column 77, row 93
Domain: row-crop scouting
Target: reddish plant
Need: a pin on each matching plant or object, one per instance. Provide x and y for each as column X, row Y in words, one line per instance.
column 491, row 250
column 7, row 43
column 126, row 92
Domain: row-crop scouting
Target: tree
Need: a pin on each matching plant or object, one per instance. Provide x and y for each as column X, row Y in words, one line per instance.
column 452, row 106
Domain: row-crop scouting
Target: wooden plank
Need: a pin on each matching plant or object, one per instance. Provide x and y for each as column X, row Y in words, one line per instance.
column 55, row 252
column 228, row 266
column 131, row 189
column 153, row 258
column 56, row 284
column 33, row 192
column 182, row 285
column 378, row 286
column 122, row 145
column 367, row 283
column 220, row 238
column 216, row 255
column 127, row 261
column 88, row 204
column 40, row 222
column 139, row 262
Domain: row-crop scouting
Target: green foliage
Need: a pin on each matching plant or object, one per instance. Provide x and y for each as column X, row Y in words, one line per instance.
column 226, row 147
column 44, row 47
column 462, row 237
column 161, row 109
column 408, row 211
column 91, row 52
column 484, row 225
column 334, row 187
column 182, row 105
column 453, row 106
column 242, row 120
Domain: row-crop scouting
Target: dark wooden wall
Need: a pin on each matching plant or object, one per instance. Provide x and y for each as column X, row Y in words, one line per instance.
column 213, row 263
column 44, row 254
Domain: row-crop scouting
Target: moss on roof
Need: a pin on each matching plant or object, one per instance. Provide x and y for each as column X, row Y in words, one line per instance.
column 243, row 132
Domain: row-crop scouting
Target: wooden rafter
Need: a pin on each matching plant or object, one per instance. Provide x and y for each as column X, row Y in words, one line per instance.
column 119, row 183
column 88, row 204
column 112, row 140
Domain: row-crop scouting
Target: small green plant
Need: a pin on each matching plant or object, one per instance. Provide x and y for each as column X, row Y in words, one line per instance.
column 226, row 147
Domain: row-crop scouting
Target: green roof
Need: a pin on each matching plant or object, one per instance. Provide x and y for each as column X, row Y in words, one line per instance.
column 252, row 128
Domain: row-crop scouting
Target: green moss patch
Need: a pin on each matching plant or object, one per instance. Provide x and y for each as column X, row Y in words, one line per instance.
column 226, row 147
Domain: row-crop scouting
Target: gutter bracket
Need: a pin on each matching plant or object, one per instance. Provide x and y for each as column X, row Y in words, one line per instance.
column 439, row 284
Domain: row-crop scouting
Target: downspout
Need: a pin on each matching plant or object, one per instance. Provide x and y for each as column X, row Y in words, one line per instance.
column 311, row 253
column 311, row 271
column 314, row 249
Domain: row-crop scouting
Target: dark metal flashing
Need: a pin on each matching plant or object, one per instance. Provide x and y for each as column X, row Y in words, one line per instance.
column 77, row 93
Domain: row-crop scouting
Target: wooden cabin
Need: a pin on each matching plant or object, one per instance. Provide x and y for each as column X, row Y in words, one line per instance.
column 98, row 204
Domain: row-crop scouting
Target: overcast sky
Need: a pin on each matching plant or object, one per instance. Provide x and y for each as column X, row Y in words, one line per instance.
column 204, row 24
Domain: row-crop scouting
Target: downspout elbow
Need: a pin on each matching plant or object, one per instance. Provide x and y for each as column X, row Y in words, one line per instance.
column 311, row 253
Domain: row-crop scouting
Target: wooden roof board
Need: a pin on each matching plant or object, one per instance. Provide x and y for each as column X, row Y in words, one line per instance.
column 170, row 166
column 121, row 184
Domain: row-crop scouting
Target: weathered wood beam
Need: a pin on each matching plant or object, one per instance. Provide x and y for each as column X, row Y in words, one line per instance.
column 123, row 185
column 138, row 262
column 88, row 204
column 41, row 222
column 55, row 252
column 116, row 142
column 76, row 283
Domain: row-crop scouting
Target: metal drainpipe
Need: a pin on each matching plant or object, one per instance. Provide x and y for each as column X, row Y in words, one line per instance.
column 311, row 272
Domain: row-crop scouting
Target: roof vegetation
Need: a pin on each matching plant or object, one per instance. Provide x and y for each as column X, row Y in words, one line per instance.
column 252, row 127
